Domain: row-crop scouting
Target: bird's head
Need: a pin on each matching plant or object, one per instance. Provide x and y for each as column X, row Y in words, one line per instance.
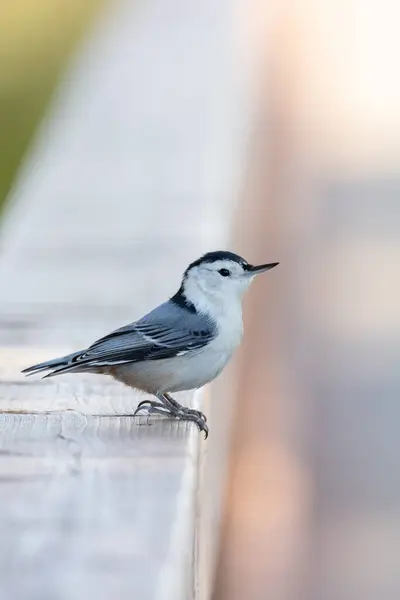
column 218, row 278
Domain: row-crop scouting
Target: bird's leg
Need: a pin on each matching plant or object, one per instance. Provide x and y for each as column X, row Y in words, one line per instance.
column 185, row 409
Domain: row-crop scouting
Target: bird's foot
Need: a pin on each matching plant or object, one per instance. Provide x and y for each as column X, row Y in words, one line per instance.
column 182, row 413
column 171, row 402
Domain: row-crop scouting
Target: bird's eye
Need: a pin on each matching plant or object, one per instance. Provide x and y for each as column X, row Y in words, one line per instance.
column 224, row 272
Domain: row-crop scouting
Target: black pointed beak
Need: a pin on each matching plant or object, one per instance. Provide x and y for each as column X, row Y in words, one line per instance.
column 255, row 270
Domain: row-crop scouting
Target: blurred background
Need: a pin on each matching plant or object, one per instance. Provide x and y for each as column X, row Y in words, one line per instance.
column 313, row 505
column 312, row 508
column 37, row 37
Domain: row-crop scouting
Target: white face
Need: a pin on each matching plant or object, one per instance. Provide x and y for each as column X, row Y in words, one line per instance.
column 223, row 280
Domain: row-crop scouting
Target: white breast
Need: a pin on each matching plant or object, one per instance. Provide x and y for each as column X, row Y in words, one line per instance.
column 195, row 369
column 209, row 362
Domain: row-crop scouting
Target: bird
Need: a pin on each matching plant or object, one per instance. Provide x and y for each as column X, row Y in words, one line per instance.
column 182, row 344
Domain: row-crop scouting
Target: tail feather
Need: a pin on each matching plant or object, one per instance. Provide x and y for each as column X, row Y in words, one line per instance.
column 61, row 363
column 69, row 368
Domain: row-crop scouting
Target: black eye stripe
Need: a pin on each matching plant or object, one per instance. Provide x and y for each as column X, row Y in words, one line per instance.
column 224, row 272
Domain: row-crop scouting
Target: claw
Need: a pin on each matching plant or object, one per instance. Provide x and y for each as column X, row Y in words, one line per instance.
column 147, row 404
column 142, row 404
column 203, row 427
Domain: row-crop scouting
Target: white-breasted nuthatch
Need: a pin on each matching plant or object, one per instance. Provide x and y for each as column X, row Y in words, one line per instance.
column 181, row 345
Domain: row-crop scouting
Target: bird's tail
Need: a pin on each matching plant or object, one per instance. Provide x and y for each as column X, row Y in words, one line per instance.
column 56, row 366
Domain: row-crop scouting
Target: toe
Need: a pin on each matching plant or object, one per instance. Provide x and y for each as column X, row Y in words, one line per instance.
column 143, row 405
column 205, row 429
column 202, row 416
column 197, row 413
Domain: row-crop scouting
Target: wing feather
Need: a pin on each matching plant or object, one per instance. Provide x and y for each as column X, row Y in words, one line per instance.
column 148, row 339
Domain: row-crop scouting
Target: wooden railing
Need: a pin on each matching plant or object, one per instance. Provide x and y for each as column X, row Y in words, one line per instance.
column 126, row 184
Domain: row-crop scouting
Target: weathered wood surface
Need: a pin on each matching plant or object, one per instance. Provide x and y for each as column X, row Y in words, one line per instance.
column 131, row 177
column 92, row 505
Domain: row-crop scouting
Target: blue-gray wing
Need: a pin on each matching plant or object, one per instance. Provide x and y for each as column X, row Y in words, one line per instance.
column 166, row 332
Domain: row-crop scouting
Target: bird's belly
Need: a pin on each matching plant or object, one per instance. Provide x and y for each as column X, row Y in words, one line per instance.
column 186, row 372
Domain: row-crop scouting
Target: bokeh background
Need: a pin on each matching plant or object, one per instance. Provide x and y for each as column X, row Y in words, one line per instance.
column 37, row 38
column 312, row 508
